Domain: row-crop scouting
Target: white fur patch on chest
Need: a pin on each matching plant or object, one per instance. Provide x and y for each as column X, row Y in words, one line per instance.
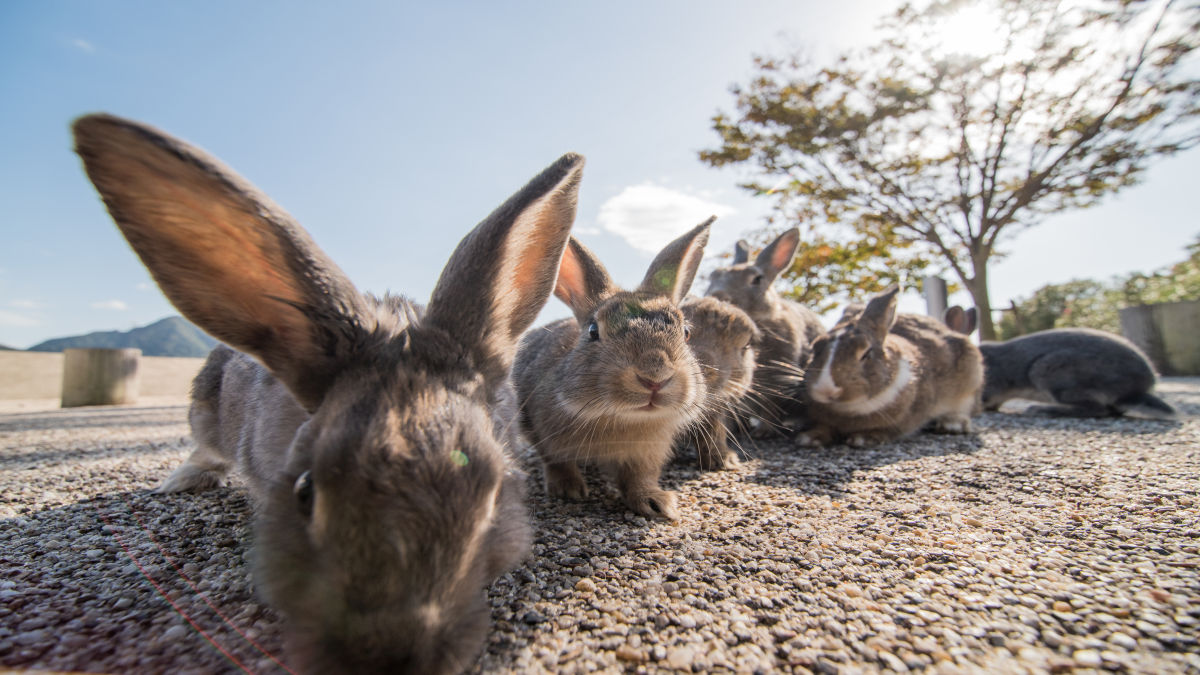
column 824, row 387
column 873, row 404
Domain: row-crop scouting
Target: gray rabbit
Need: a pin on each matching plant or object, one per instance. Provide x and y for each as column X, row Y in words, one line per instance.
column 1088, row 373
column 787, row 328
column 616, row 384
column 879, row 375
column 724, row 340
column 371, row 431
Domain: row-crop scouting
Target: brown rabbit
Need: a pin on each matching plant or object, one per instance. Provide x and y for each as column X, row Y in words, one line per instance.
column 878, row 376
column 616, row 384
column 788, row 329
column 366, row 428
column 723, row 340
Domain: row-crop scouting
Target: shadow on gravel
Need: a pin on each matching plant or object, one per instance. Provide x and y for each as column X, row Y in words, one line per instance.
column 57, row 419
column 134, row 580
column 17, row 460
column 826, row 471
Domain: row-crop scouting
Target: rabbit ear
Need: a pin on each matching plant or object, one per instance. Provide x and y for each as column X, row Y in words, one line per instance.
column 224, row 254
column 674, row 269
column 880, row 313
column 503, row 271
column 741, row 252
column 959, row 320
column 582, row 281
column 777, row 256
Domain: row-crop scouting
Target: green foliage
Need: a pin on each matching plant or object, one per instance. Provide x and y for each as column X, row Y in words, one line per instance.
column 934, row 155
column 1093, row 304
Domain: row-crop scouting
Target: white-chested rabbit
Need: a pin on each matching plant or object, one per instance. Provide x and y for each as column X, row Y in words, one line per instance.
column 723, row 339
column 788, row 328
column 616, row 384
column 1089, row 373
column 878, row 376
column 386, row 500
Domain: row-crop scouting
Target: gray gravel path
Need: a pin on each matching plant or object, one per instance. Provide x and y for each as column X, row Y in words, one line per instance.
column 1036, row 544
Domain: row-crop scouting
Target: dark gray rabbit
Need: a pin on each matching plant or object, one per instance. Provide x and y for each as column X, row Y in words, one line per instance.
column 724, row 340
column 879, row 375
column 1088, row 373
column 616, row 384
column 371, row 431
column 787, row 328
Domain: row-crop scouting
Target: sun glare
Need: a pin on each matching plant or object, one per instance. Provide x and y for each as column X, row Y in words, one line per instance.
column 973, row 30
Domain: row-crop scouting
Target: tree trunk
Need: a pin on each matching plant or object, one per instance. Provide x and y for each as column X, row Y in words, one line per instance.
column 979, row 292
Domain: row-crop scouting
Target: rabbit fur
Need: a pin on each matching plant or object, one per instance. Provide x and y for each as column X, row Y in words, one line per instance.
column 724, row 339
column 386, row 501
column 1086, row 372
column 878, row 376
column 788, row 329
column 617, row 383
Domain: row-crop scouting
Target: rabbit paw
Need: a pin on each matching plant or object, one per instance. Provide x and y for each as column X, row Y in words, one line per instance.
column 814, row 438
column 952, row 424
column 864, row 440
column 657, row 504
column 565, row 481
column 718, row 461
column 192, row 478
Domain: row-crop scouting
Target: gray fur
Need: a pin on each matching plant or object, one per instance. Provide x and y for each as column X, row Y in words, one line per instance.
column 724, row 340
column 787, row 328
column 878, row 376
column 372, row 434
column 1087, row 372
column 585, row 399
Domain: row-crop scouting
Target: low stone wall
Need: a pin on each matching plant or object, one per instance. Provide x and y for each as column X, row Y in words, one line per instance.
column 1169, row 333
column 39, row 375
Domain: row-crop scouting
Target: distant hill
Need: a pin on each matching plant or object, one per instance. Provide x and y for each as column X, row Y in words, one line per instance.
column 173, row 336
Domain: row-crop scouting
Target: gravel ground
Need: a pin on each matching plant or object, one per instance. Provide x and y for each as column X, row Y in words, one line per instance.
column 1037, row 544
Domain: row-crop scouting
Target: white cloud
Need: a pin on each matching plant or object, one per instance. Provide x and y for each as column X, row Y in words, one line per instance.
column 11, row 319
column 648, row 216
column 24, row 304
column 144, row 286
column 83, row 45
column 117, row 305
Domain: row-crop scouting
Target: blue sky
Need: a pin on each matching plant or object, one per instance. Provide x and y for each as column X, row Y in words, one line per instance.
column 389, row 129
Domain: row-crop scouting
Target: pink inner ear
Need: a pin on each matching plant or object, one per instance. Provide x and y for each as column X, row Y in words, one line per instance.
column 783, row 255
column 570, row 286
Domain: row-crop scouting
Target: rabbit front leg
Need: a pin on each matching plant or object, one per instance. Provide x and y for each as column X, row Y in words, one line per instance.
column 637, row 479
column 564, row 480
column 712, row 445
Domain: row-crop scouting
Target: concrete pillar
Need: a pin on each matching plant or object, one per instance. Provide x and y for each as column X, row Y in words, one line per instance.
column 100, row 376
column 936, row 296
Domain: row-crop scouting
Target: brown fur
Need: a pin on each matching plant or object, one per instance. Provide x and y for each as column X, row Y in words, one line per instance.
column 581, row 397
column 889, row 376
column 371, row 432
column 788, row 329
column 724, row 341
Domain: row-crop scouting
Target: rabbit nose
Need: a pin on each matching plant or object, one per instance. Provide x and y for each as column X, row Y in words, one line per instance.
column 651, row 384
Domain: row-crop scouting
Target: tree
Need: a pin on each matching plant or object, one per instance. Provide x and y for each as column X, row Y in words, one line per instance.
column 1095, row 304
column 952, row 153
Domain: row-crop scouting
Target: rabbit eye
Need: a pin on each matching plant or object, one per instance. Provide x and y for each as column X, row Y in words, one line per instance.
column 866, row 354
column 687, row 332
column 303, row 489
column 756, row 280
column 593, row 331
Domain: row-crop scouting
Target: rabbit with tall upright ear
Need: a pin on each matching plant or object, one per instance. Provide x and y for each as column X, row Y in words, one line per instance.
column 1085, row 372
column 788, row 328
column 878, row 376
column 371, row 431
column 616, row 384
column 724, row 340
